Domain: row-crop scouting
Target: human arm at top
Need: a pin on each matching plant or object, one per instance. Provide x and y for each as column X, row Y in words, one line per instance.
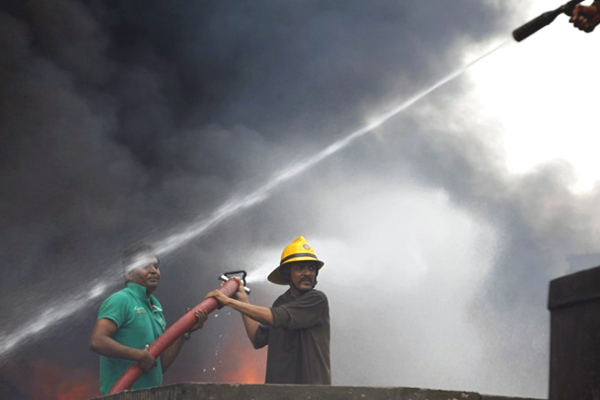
column 586, row 18
column 101, row 342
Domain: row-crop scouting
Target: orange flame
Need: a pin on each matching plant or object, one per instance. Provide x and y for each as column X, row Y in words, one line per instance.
column 46, row 380
column 246, row 365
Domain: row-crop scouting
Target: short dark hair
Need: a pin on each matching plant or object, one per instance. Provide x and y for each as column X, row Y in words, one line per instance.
column 133, row 252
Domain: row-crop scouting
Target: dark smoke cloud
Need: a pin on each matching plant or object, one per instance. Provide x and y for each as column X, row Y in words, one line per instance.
column 122, row 121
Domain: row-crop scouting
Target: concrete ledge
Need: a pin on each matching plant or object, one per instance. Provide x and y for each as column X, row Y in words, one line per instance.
column 487, row 397
column 574, row 289
column 212, row 391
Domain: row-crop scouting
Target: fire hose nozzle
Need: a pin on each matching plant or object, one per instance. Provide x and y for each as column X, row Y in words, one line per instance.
column 531, row 27
column 241, row 274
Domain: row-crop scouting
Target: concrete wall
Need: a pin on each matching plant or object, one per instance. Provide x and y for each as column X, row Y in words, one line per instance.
column 212, row 391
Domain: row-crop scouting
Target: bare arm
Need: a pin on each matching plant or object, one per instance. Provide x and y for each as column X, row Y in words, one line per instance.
column 101, row 342
column 257, row 313
column 250, row 324
column 171, row 352
column 252, row 314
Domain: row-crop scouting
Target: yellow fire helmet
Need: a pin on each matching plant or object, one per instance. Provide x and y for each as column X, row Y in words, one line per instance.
column 298, row 250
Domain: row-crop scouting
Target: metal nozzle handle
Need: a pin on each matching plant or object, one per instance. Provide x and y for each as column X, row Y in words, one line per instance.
column 531, row 27
column 228, row 275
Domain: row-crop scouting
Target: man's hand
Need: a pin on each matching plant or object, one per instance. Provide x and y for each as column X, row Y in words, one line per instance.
column 224, row 300
column 221, row 298
column 586, row 18
column 241, row 294
column 200, row 320
column 146, row 361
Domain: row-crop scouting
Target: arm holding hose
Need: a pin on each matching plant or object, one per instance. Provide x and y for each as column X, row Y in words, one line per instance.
column 102, row 343
column 169, row 355
column 586, row 18
column 252, row 315
column 580, row 18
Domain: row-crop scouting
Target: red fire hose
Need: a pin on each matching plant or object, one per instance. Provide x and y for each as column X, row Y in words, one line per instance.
column 182, row 325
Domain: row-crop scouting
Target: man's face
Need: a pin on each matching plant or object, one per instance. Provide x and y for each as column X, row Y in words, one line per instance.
column 303, row 276
column 145, row 272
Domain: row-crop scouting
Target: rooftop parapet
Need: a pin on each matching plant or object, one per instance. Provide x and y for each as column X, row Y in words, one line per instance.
column 223, row 391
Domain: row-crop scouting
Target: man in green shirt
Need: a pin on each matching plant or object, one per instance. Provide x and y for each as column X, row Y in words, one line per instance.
column 296, row 327
column 130, row 320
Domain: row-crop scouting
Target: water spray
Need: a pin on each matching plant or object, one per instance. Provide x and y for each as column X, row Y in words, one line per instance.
column 237, row 203
column 181, row 326
column 543, row 20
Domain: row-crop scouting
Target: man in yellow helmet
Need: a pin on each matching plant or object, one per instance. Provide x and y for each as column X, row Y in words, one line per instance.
column 296, row 327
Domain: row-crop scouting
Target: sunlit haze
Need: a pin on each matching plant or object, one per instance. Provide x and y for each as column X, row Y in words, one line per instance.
column 544, row 94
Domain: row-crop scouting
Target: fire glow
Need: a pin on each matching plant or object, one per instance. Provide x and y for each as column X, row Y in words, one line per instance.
column 46, row 380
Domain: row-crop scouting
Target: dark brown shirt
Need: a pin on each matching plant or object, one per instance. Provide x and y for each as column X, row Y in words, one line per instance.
column 298, row 340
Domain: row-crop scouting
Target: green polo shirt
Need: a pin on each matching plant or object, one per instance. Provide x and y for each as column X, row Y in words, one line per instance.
column 139, row 321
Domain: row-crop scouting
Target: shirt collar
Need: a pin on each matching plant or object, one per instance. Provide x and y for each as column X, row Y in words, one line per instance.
column 137, row 290
column 288, row 294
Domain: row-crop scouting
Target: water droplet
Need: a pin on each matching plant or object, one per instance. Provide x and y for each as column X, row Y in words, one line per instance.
column 214, row 369
column 204, row 370
column 216, row 315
